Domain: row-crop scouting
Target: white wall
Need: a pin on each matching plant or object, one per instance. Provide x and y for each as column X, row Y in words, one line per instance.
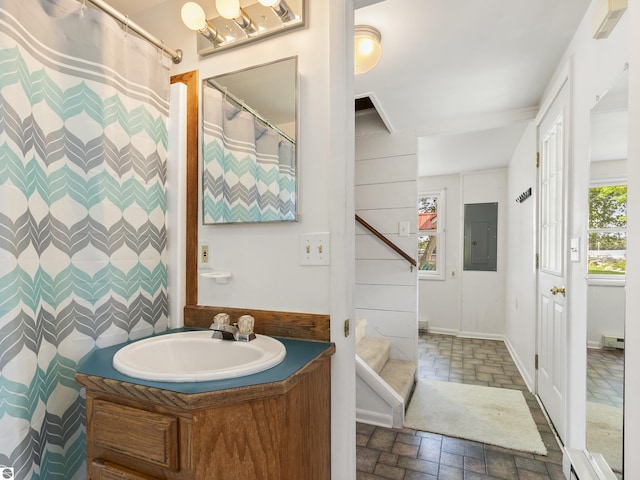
column 482, row 311
column 609, row 170
column 591, row 65
column 605, row 313
column 386, row 194
column 520, row 301
column 439, row 300
column 263, row 258
column 467, row 303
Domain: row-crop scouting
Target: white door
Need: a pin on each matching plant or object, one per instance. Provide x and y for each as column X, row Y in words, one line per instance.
column 552, row 329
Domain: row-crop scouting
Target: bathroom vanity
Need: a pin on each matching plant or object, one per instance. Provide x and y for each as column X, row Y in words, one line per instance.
column 270, row 425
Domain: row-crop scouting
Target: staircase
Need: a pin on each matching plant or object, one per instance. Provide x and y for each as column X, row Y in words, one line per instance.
column 383, row 384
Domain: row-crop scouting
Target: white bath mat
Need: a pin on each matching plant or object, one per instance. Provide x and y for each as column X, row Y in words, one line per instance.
column 496, row 416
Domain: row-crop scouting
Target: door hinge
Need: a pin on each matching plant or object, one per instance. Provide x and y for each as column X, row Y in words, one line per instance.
column 537, row 159
column 537, row 261
column 347, row 330
column 536, row 361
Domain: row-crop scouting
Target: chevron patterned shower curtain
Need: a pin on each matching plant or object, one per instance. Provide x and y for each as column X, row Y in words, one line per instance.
column 83, row 110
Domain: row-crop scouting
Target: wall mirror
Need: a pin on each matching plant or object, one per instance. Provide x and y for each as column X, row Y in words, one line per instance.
column 249, row 154
column 606, row 279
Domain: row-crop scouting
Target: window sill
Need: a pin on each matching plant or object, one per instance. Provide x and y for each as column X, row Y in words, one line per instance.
column 606, row 282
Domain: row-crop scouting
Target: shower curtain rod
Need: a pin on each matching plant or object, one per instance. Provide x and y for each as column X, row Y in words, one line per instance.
column 176, row 55
column 253, row 112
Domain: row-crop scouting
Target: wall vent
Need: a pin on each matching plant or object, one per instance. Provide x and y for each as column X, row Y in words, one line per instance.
column 612, row 342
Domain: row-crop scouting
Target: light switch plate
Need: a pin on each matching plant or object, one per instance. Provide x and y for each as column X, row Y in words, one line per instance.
column 403, row 229
column 575, row 249
column 314, row 249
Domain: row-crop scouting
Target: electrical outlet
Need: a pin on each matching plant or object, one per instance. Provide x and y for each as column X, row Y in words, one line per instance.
column 204, row 254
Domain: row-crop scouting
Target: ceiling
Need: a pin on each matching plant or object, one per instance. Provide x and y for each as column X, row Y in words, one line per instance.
column 466, row 75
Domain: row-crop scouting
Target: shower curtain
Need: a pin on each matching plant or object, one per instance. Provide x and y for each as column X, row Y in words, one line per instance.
column 83, row 111
column 248, row 170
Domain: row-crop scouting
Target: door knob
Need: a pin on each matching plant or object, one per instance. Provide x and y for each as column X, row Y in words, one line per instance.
column 555, row 290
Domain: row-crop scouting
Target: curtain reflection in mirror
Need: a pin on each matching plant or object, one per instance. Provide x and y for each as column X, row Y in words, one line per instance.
column 249, row 170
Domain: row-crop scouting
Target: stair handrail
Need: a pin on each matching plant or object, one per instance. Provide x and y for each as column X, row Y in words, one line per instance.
column 388, row 242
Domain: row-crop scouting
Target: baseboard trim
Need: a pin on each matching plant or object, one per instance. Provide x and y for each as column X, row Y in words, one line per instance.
column 530, row 382
column 462, row 334
column 482, row 336
column 374, row 418
column 443, row 331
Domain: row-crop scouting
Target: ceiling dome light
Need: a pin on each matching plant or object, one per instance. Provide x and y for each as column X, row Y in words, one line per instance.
column 193, row 16
column 367, row 48
column 268, row 3
column 228, row 8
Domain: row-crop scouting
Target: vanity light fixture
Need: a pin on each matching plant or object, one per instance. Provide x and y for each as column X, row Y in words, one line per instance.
column 228, row 8
column 237, row 24
column 367, row 48
column 280, row 8
column 231, row 10
column 194, row 19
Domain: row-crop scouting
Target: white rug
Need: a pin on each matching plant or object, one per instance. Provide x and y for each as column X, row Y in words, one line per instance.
column 496, row 416
column 604, row 433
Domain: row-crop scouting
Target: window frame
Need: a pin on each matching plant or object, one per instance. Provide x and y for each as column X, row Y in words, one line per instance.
column 440, row 233
column 594, row 278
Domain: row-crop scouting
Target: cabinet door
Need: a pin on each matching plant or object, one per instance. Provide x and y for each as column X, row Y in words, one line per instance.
column 147, row 436
column 101, row 470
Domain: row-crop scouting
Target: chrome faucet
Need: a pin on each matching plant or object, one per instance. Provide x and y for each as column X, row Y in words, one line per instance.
column 230, row 332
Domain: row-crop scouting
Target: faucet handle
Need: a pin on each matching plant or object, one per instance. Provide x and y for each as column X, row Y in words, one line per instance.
column 245, row 324
column 222, row 319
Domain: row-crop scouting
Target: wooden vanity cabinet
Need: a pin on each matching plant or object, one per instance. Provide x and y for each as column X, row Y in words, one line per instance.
column 276, row 431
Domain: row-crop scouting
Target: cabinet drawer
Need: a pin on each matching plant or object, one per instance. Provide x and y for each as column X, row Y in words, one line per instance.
column 148, row 436
column 101, row 470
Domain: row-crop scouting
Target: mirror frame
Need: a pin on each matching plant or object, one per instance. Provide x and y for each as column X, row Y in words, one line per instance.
column 597, row 459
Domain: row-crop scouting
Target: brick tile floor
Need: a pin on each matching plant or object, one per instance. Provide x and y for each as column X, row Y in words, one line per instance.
column 605, row 376
column 404, row 454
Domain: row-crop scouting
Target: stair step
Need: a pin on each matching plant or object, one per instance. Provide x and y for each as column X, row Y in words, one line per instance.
column 374, row 352
column 400, row 375
column 361, row 327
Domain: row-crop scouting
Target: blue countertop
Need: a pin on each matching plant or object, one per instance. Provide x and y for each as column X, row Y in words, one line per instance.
column 299, row 353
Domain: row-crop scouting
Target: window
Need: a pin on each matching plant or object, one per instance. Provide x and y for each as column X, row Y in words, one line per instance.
column 431, row 241
column 607, row 231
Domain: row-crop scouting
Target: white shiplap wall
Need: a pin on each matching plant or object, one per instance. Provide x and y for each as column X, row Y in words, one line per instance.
column 386, row 291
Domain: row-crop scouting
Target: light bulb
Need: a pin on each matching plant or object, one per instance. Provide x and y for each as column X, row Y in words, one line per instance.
column 367, row 48
column 193, row 16
column 228, row 8
column 268, row 3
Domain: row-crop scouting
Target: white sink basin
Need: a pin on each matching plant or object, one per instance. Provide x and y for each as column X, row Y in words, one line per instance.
column 196, row 357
